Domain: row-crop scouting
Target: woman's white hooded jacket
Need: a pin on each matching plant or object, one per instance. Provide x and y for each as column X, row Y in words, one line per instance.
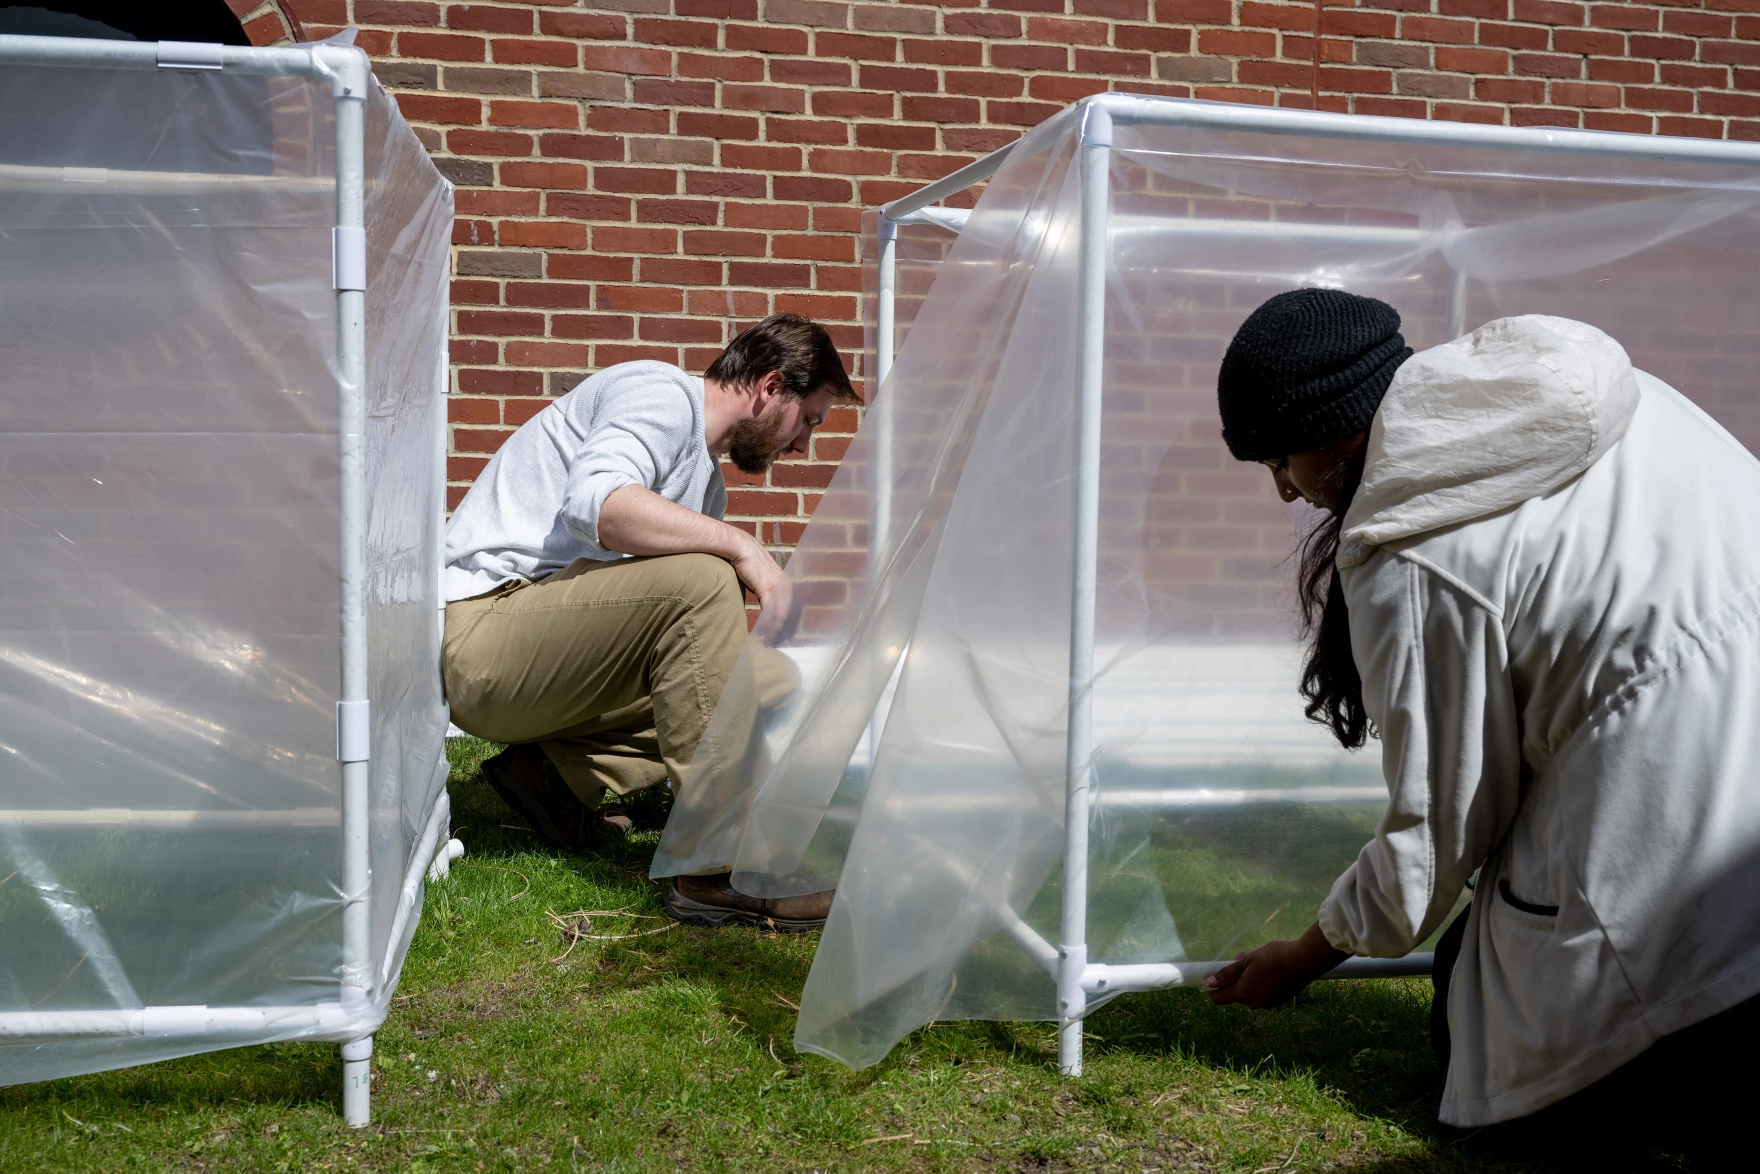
column 1552, row 566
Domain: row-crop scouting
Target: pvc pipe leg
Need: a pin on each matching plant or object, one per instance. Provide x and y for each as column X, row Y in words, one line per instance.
column 357, row 1082
column 443, row 857
column 1069, row 1047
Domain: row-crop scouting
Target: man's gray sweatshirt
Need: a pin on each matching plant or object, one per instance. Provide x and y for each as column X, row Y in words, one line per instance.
column 535, row 509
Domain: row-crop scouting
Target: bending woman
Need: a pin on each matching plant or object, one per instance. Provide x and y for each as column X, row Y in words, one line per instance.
column 1539, row 587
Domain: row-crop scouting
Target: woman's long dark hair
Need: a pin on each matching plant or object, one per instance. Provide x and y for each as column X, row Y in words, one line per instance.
column 1330, row 683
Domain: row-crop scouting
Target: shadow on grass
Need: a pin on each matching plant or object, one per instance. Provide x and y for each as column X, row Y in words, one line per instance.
column 1368, row 1041
column 1365, row 1041
column 1490, row 1151
column 273, row 1076
column 755, row 976
column 1364, row 1044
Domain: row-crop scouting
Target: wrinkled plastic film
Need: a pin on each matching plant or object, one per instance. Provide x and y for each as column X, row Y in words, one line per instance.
column 169, row 790
column 1220, row 816
column 776, row 776
column 409, row 227
column 919, row 252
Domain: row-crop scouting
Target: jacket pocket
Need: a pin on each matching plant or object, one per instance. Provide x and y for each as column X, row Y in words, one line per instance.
column 1521, row 905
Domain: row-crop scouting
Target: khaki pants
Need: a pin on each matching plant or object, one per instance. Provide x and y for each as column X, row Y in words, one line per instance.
column 613, row 668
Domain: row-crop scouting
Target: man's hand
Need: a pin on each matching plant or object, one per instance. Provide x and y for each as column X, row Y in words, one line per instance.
column 1276, row 972
column 757, row 569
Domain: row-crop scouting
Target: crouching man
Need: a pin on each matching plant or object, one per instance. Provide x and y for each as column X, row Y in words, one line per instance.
column 594, row 608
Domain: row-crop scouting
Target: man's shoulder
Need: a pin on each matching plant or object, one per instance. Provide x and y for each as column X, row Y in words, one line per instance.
column 625, row 392
column 653, row 400
column 634, row 378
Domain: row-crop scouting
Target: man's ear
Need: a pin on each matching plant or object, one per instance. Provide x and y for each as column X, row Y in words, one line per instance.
column 770, row 385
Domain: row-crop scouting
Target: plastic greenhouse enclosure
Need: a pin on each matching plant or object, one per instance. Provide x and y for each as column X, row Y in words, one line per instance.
column 1046, row 735
column 223, row 310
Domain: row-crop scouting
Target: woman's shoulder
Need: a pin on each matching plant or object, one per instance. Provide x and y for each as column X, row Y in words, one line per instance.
column 1471, row 560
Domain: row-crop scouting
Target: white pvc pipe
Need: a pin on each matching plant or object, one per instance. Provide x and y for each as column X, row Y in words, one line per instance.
column 428, row 850
column 349, row 80
column 1127, row 109
column 1096, row 162
column 1411, row 966
column 357, row 1082
column 192, row 1022
column 169, row 819
column 885, row 331
column 1153, row 976
column 1028, row 939
column 443, row 380
column 18, row 177
column 1135, row 798
column 1024, row 935
column 1146, row 976
column 887, row 231
column 1455, row 318
column 974, row 172
column 954, row 220
column 1182, row 798
column 80, row 53
column 885, row 340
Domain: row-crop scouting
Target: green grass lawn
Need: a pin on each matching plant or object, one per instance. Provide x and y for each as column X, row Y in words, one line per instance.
column 668, row 1048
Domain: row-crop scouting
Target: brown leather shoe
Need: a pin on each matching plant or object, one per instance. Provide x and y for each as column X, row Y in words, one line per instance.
column 528, row 782
column 713, row 901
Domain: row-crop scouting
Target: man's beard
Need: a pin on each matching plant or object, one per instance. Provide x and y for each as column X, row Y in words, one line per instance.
column 757, row 440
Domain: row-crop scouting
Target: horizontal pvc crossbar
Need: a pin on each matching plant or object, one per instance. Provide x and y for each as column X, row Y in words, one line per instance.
column 166, row 819
column 954, row 220
column 974, row 172
column 1149, row 798
column 1100, row 979
column 191, row 55
column 1153, row 798
column 245, row 1023
column 80, row 53
column 73, row 181
column 1126, row 109
column 1113, row 978
column 1411, row 966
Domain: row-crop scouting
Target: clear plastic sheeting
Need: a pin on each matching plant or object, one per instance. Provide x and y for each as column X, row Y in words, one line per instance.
column 920, row 763
column 921, row 245
column 171, row 829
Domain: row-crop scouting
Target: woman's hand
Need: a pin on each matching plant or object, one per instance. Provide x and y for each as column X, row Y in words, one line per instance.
column 1276, row 972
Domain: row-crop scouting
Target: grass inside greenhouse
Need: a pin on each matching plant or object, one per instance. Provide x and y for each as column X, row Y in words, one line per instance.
column 651, row 1047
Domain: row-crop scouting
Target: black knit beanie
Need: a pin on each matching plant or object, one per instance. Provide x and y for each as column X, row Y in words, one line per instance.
column 1305, row 369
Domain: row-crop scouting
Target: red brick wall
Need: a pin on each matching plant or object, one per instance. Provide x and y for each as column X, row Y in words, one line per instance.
column 636, row 177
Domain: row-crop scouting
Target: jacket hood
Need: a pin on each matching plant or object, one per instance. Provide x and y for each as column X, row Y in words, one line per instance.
column 1514, row 410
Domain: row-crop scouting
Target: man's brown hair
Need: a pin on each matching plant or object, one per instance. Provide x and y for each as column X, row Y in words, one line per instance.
column 797, row 348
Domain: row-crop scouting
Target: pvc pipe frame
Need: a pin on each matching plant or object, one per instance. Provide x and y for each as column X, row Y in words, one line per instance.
column 1079, row 982
column 347, row 71
column 1072, row 950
